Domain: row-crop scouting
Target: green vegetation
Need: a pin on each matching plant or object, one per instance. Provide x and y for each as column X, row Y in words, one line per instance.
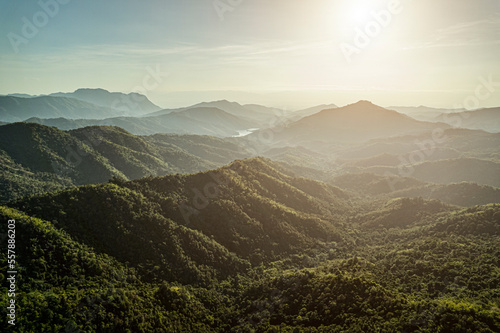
column 200, row 120
column 461, row 194
column 123, row 233
column 250, row 247
column 38, row 159
column 64, row 286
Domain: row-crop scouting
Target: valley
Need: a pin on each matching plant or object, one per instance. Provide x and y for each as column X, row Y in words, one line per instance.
column 343, row 219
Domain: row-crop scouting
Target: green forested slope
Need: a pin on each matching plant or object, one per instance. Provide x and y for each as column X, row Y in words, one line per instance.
column 65, row 286
column 260, row 250
column 250, row 207
column 37, row 158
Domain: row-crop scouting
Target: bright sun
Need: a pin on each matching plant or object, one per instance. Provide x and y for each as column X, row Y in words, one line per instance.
column 358, row 11
column 353, row 14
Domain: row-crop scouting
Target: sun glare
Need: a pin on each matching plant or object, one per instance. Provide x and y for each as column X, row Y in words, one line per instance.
column 348, row 15
column 358, row 12
column 355, row 13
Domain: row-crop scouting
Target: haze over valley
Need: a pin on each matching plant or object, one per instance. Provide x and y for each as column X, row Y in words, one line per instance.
column 250, row 166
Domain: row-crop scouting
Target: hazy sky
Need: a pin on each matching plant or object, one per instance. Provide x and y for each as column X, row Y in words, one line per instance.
column 288, row 53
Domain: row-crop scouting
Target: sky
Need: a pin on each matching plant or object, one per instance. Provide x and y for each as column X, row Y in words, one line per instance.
column 282, row 53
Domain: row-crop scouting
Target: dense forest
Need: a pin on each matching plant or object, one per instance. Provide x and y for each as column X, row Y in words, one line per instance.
column 230, row 166
column 462, row 171
column 37, row 159
column 252, row 247
column 325, row 232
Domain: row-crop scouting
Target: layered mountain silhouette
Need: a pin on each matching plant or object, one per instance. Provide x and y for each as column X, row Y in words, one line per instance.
column 423, row 113
column 13, row 109
column 357, row 122
column 81, row 104
column 449, row 143
column 350, row 222
column 480, row 171
column 372, row 185
column 131, row 104
column 201, row 121
column 37, row 158
column 484, row 119
column 259, row 115
column 299, row 114
column 426, row 159
column 256, row 210
column 214, row 251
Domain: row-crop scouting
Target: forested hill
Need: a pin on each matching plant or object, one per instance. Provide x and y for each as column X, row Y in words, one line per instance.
column 251, row 247
column 250, row 207
column 37, row 158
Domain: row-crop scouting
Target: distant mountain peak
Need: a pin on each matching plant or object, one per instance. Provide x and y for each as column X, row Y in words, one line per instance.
column 132, row 103
column 362, row 103
column 358, row 122
column 225, row 101
column 91, row 89
column 366, row 107
column 362, row 107
column 106, row 92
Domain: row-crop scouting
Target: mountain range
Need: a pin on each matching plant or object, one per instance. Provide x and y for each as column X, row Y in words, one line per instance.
column 486, row 119
column 350, row 124
column 14, row 109
column 201, row 121
column 423, row 113
column 454, row 158
column 257, row 114
column 132, row 103
column 220, row 118
column 39, row 158
column 81, row 104
column 328, row 219
column 251, row 246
